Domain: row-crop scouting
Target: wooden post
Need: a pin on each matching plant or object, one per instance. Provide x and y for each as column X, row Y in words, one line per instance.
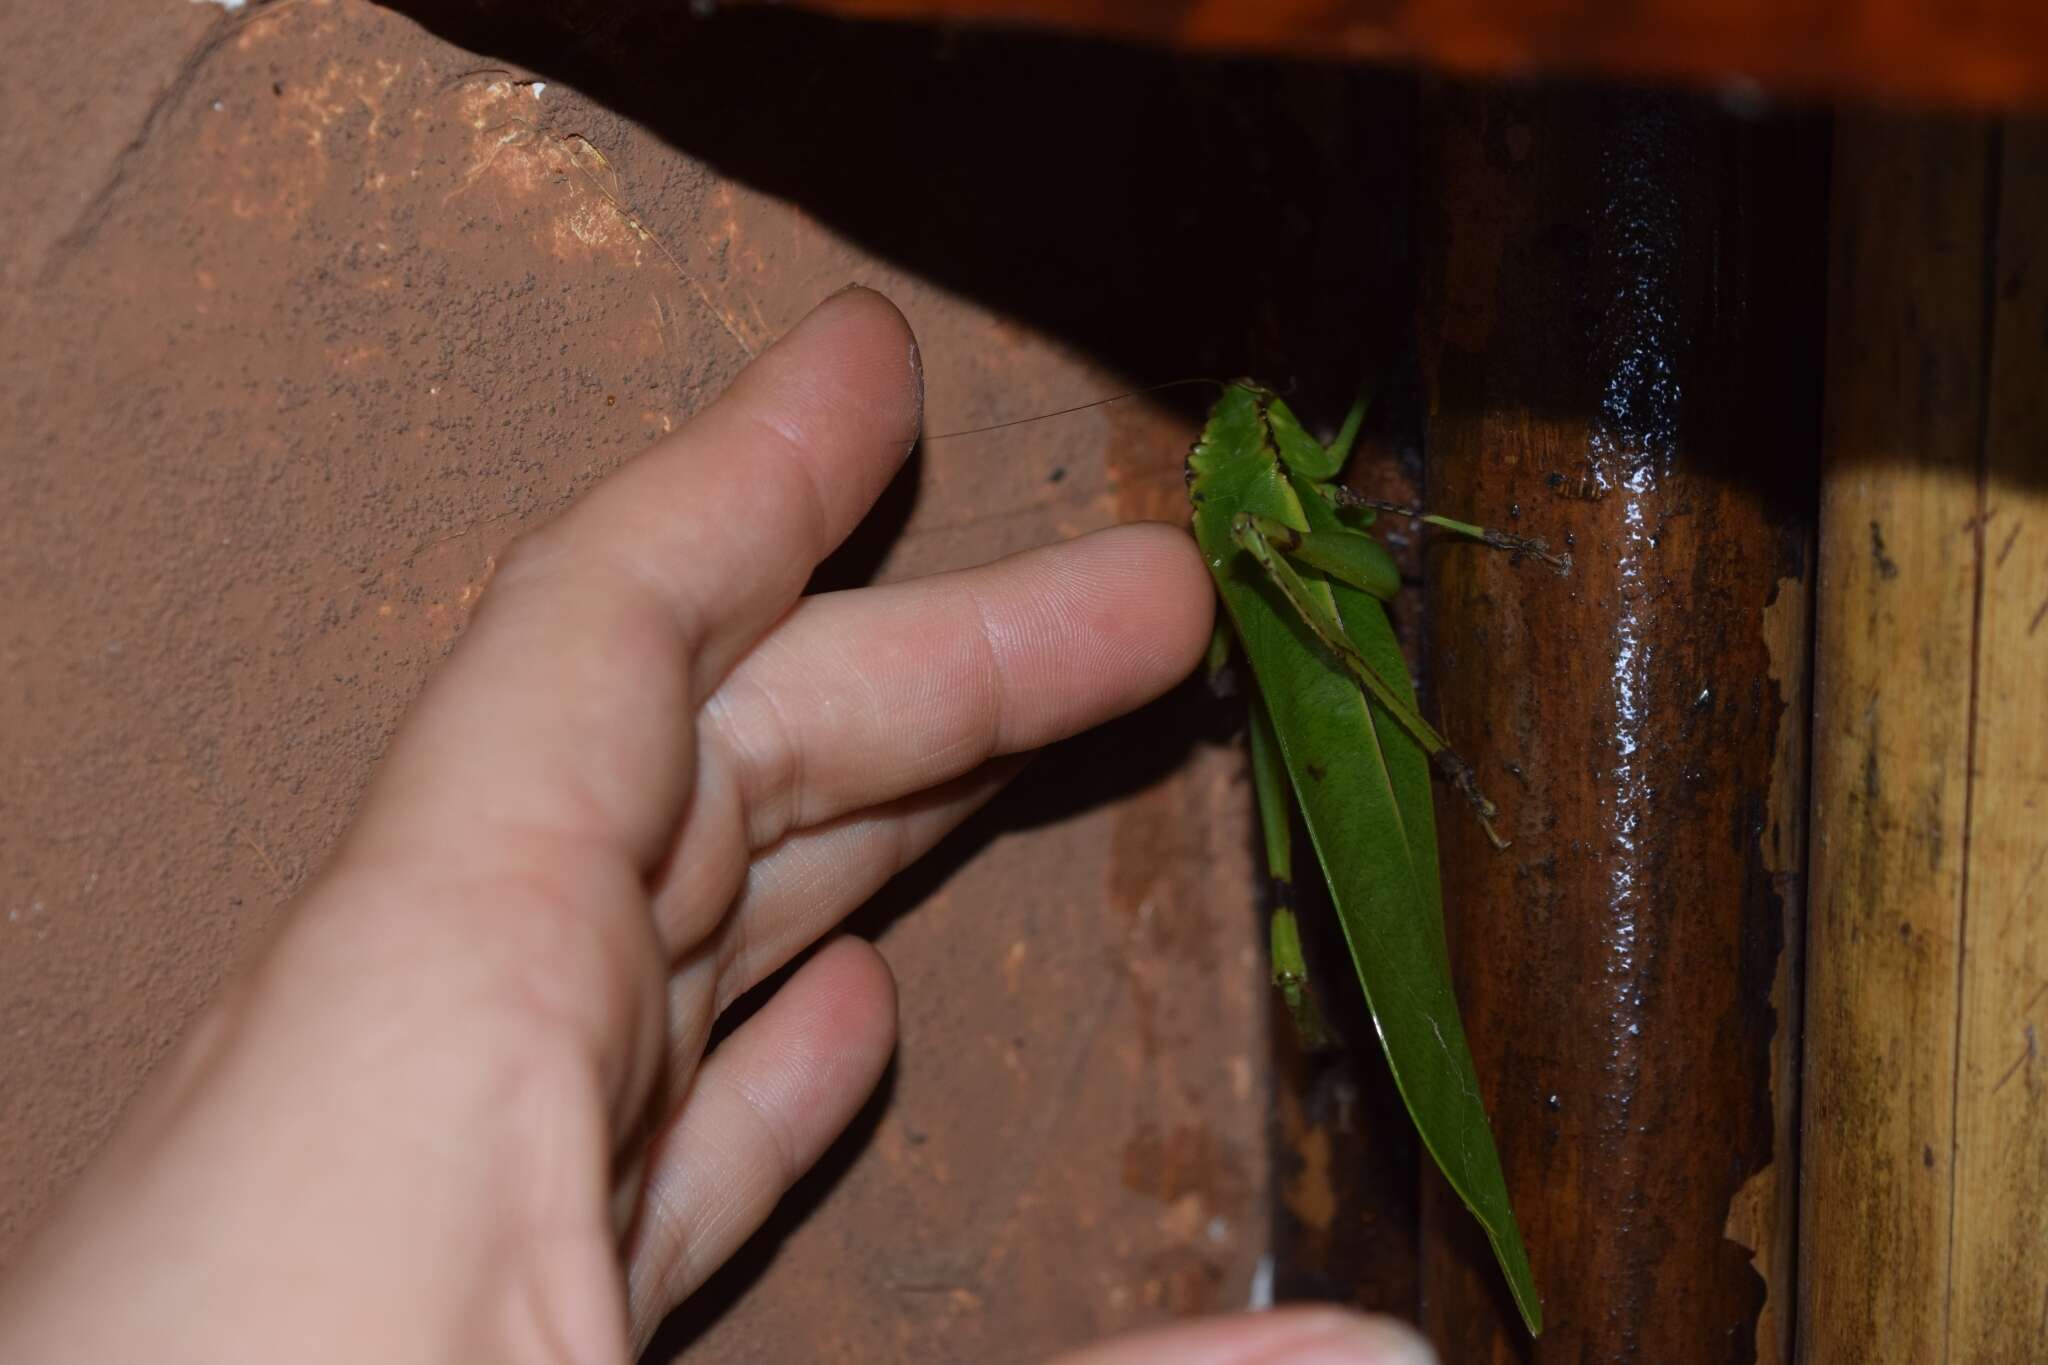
column 1623, row 357
column 1926, row 1144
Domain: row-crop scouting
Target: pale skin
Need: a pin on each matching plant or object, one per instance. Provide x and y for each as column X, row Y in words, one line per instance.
column 459, row 1108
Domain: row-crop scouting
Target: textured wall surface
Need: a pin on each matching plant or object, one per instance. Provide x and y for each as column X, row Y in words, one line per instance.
column 310, row 307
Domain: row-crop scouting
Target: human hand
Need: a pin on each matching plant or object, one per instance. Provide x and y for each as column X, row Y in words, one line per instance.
column 460, row 1108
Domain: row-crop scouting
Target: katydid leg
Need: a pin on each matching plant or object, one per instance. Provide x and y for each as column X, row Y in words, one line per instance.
column 1518, row 547
column 1302, row 453
column 1350, row 557
column 1273, row 546
column 1217, row 657
column 1290, row 967
column 1347, row 434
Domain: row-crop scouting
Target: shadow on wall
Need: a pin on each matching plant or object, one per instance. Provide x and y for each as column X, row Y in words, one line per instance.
column 1065, row 778
column 1169, row 216
column 1174, row 214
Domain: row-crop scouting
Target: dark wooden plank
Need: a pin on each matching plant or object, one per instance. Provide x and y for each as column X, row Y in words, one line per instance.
column 1623, row 335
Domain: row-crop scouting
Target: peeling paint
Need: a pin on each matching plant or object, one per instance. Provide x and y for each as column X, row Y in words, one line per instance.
column 1763, row 1213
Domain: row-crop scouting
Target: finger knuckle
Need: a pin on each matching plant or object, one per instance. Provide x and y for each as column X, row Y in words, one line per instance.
column 534, row 553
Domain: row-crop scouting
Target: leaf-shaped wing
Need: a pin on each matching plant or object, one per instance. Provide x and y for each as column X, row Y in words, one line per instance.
column 1364, row 790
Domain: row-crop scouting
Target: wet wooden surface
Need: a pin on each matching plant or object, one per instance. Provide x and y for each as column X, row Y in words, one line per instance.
column 1622, row 336
column 1926, row 1151
column 1984, row 53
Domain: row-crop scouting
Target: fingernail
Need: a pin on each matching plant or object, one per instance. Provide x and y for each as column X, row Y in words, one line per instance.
column 917, row 381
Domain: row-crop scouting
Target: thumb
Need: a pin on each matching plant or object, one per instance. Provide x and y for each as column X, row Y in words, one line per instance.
column 1290, row 1336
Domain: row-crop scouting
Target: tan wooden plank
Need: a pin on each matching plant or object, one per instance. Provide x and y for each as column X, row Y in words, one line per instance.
column 1999, row 1286
column 1897, row 579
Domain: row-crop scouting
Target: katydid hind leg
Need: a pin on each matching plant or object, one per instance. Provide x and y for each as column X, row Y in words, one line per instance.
column 1271, row 544
column 1349, row 557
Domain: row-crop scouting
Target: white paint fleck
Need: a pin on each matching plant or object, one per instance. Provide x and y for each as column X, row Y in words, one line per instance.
column 537, row 87
column 1261, row 1297
column 229, row 5
column 1218, row 1229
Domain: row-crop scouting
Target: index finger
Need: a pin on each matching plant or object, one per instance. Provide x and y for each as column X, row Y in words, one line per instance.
column 727, row 520
column 567, row 712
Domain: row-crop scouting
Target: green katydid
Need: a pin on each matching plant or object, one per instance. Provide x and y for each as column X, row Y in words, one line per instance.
column 1334, row 717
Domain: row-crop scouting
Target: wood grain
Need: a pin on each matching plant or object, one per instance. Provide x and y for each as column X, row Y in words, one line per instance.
column 1998, row 1287
column 1923, row 1172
